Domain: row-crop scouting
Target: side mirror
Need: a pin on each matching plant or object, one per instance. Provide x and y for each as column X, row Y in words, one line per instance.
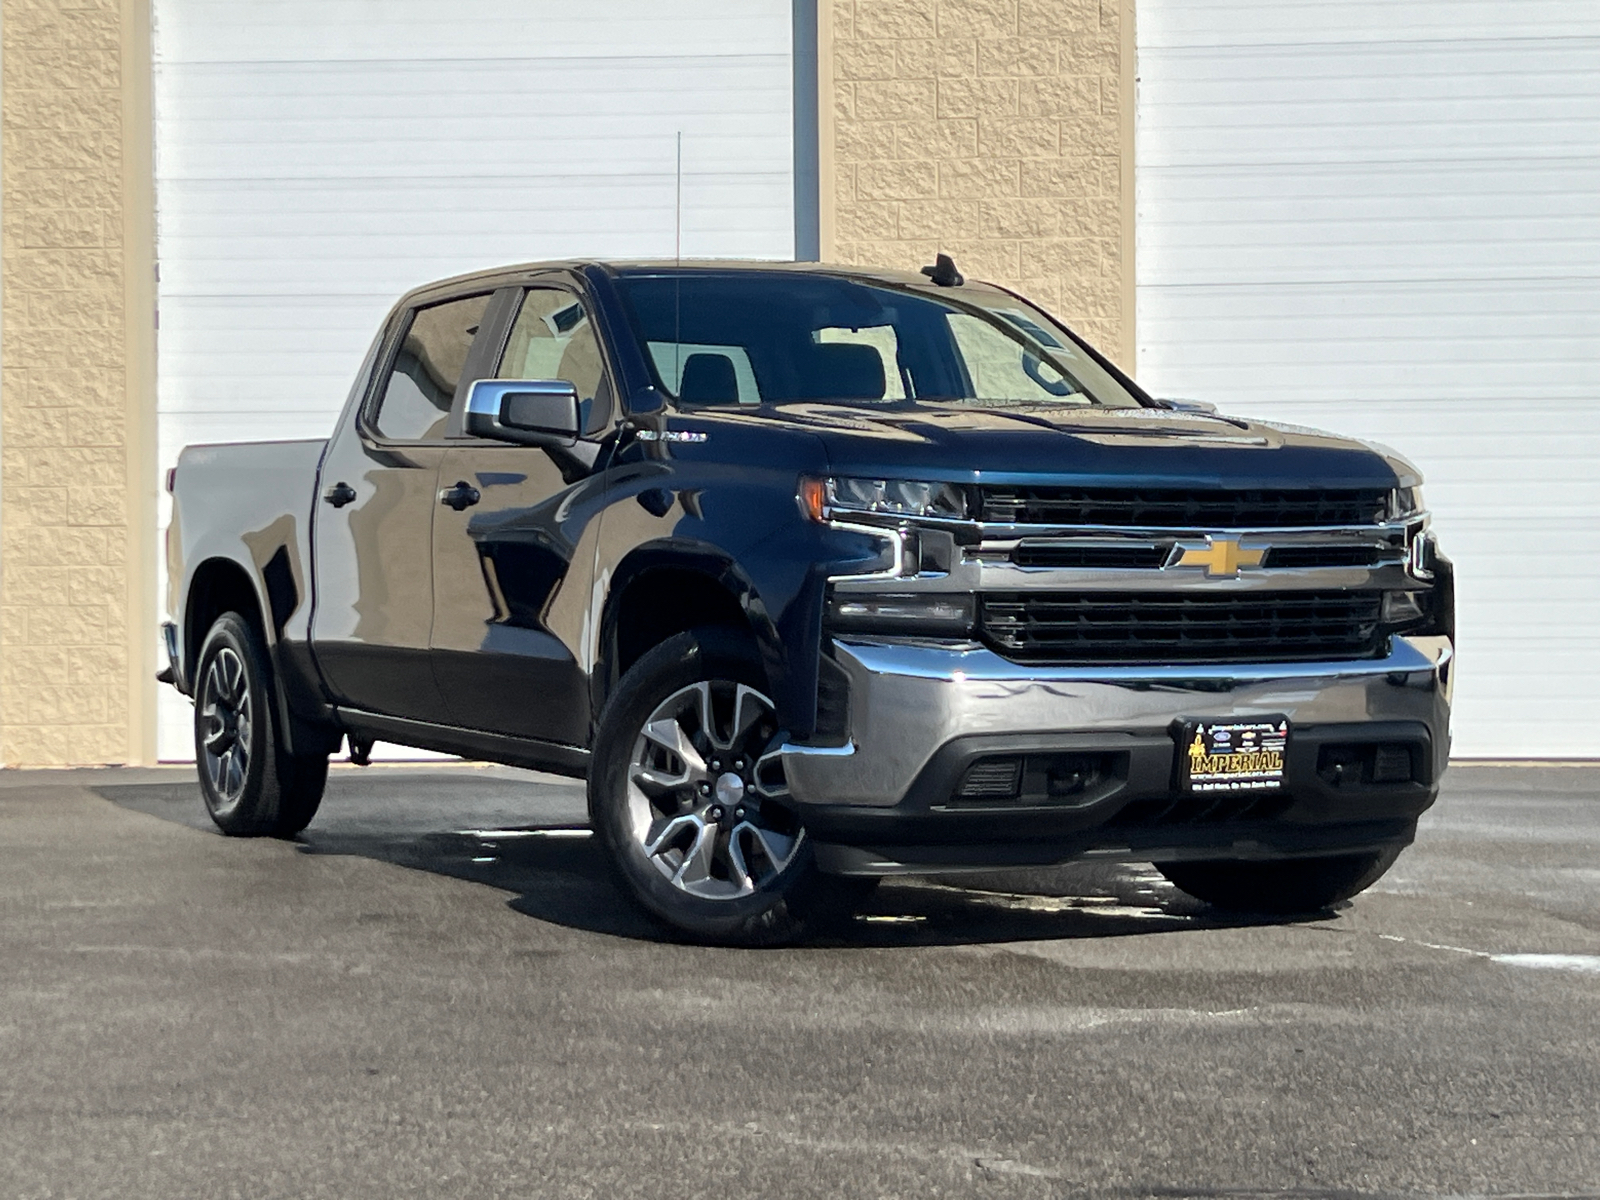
column 1204, row 407
column 530, row 412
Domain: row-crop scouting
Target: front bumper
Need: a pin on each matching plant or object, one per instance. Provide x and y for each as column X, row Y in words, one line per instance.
column 921, row 714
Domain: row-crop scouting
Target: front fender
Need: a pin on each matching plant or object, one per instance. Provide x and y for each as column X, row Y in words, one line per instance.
column 740, row 526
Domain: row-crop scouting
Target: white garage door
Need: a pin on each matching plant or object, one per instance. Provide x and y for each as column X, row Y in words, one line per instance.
column 316, row 158
column 1383, row 216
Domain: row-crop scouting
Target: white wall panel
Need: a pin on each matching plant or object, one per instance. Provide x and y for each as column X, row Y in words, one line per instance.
column 316, row 158
column 1383, row 217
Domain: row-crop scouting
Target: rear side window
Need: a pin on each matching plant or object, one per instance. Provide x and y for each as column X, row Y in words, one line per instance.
column 423, row 380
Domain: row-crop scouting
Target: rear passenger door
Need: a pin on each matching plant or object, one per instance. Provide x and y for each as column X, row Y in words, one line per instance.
column 514, row 563
column 374, row 517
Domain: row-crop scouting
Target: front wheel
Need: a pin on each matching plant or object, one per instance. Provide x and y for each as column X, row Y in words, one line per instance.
column 252, row 785
column 1290, row 885
column 673, row 796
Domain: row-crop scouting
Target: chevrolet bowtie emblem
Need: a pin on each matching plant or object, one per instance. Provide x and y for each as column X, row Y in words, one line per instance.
column 1221, row 557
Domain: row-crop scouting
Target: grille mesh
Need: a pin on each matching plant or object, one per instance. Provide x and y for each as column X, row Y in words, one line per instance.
column 1044, row 554
column 1181, row 509
column 1144, row 627
column 1322, row 556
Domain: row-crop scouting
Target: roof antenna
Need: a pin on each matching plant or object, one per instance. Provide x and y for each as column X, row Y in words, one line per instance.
column 677, row 277
column 943, row 272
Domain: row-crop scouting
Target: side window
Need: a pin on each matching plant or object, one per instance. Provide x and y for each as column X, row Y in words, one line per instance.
column 422, row 382
column 553, row 338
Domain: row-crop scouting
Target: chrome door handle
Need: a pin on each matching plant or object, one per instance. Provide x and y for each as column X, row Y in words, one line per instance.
column 340, row 494
column 460, row 497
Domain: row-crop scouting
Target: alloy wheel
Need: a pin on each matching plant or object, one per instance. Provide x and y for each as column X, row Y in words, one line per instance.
column 695, row 806
column 226, row 725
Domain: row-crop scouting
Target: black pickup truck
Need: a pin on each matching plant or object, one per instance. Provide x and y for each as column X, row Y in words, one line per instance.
column 820, row 575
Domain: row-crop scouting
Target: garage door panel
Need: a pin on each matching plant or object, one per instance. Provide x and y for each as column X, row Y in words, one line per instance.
column 496, row 204
column 1229, row 254
column 346, row 30
column 1235, row 22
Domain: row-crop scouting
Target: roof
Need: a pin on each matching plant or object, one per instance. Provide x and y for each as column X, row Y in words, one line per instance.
column 501, row 276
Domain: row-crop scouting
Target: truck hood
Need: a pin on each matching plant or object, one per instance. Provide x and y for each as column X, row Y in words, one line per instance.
column 1147, row 446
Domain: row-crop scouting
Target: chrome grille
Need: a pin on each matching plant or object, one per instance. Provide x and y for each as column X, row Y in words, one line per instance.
column 1180, row 508
column 1154, row 627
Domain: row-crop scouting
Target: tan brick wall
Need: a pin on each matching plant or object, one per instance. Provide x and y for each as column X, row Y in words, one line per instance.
column 71, row 431
column 989, row 130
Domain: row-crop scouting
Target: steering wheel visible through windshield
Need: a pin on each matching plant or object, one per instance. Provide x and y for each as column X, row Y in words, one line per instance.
column 728, row 338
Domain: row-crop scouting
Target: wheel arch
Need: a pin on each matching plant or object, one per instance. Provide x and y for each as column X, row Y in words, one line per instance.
column 219, row 585
column 661, row 591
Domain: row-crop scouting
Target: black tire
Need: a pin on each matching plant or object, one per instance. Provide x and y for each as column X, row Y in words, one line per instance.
column 252, row 785
column 794, row 899
column 1284, row 886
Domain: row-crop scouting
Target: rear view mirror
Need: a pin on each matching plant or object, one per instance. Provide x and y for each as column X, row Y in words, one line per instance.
column 530, row 412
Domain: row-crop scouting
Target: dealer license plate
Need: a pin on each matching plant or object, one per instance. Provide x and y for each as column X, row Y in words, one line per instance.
column 1233, row 755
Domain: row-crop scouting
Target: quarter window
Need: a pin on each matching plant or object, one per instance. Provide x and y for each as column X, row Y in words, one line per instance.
column 427, row 370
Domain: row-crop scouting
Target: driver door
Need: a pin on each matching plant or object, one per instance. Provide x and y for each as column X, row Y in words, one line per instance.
column 514, row 553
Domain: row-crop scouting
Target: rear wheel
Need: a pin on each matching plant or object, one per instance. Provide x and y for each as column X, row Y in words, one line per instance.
column 674, row 797
column 252, row 785
column 1290, row 885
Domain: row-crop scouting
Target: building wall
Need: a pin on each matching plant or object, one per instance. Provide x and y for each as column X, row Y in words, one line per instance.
column 996, row 131
column 76, row 489
column 993, row 130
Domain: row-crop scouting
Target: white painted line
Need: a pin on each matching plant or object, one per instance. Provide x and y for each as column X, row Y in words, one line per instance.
column 1586, row 964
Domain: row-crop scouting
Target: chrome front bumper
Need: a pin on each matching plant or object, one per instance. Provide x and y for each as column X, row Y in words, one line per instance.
column 907, row 701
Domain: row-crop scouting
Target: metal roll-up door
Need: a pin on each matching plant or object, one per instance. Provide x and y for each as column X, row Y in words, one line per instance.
column 316, row 158
column 1381, row 217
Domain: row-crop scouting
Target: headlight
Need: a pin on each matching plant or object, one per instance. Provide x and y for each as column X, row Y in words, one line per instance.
column 930, row 613
column 888, row 497
column 1404, row 502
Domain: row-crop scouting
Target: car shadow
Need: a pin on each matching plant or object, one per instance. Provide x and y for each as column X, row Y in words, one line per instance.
column 477, row 829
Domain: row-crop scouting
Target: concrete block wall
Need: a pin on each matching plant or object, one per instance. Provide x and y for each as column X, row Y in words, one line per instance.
column 73, row 517
column 994, row 131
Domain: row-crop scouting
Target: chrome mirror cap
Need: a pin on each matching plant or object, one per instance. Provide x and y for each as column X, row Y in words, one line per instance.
column 529, row 412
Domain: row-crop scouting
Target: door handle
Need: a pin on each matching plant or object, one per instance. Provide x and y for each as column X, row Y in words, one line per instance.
column 340, row 494
column 462, row 496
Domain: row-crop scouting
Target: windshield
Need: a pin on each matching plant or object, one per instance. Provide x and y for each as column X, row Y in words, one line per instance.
column 748, row 338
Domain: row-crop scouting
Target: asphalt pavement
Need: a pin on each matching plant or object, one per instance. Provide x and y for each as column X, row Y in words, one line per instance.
column 437, row 991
